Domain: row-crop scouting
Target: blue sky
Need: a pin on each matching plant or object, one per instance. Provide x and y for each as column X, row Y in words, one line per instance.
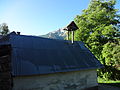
column 38, row 17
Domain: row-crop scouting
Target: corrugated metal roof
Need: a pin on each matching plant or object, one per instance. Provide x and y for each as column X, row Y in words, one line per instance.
column 35, row 55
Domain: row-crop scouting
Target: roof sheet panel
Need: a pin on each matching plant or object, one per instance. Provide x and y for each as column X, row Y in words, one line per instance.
column 35, row 55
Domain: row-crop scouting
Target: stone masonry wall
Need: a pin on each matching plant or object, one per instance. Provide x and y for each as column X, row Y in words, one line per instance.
column 76, row 80
column 5, row 68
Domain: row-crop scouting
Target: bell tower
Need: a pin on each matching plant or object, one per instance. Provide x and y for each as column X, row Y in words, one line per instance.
column 71, row 28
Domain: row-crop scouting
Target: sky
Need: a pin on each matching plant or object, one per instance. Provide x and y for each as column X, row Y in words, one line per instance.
column 38, row 17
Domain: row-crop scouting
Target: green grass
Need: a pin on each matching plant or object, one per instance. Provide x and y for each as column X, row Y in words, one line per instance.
column 110, row 81
column 100, row 80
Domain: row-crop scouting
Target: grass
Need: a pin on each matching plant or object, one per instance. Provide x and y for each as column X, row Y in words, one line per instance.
column 100, row 80
column 109, row 82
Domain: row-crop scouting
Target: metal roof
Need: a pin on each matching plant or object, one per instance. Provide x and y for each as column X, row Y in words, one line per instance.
column 36, row 55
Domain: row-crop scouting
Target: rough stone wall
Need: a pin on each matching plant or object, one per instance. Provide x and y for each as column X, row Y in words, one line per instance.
column 76, row 80
column 5, row 68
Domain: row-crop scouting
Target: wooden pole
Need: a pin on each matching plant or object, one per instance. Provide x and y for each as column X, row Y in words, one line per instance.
column 72, row 36
column 68, row 35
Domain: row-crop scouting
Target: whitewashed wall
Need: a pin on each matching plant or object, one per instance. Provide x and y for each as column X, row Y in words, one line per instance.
column 76, row 80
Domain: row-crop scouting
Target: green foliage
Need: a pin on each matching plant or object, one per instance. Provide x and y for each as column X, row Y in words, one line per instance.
column 109, row 73
column 4, row 29
column 101, row 80
column 111, row 53
column 99, row 29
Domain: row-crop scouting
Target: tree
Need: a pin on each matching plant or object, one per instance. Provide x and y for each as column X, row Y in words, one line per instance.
column 111, row 53
column 4, row 29
column 99, row 29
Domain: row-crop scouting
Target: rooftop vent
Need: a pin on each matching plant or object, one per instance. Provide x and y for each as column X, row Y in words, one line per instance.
column 18, row 33
column 71, row 28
